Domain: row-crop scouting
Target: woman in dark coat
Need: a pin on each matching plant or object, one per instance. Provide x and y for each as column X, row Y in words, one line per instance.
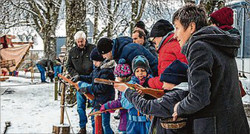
column 214, row 103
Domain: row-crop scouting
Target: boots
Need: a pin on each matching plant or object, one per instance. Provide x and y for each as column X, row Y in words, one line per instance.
column 82, row 131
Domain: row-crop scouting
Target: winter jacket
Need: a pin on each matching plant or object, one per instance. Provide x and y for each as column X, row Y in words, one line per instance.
column 169, row 50
column 123, row 112
column 47, row 64
column 150, row 47
column 159, row 108
column 102, row 92
column 214, row 102
column 124, row 48
column 137, row 122
column 79, row 62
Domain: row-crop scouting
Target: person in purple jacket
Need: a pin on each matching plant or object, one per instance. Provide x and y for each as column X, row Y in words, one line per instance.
column 122, row 72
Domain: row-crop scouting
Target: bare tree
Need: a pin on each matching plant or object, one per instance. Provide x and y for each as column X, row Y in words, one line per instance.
column 75, row 19
column 137, row 11
column 42, row 15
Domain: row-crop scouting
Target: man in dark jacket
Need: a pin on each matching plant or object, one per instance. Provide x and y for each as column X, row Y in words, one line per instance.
column 139, row 37
column 214, row 102
column 123, row 47
column 42, row 65
column 78, row 64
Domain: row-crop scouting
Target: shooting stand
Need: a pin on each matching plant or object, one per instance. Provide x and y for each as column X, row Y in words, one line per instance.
column 62, row 128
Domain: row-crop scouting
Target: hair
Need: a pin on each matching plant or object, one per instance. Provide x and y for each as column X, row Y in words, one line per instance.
column 191, row 13
column 79, row 34
column 141, row 33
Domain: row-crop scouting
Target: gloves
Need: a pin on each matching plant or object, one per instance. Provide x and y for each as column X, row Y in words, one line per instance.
column 75, row 78
column 105, row 107
column 102, row 108
column 83, row 90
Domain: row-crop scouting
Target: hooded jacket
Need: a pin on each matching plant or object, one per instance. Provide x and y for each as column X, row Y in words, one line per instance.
column 124, row 48
column 214, row 102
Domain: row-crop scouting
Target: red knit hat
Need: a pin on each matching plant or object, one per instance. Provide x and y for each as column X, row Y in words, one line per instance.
column 224, row 16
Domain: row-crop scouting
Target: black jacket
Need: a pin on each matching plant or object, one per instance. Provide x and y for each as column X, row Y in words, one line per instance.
column 79, row 62
column 102, row 92
column 159, row 108
column 214, row 102
column 150, row 47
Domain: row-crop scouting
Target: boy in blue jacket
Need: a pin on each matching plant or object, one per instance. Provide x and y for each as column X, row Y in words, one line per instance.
column 137, row 122
column 103, row 93
column 174, row 80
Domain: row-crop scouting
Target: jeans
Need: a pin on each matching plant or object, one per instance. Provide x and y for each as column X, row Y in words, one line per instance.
column 105, row 123
column 42, row 72
column 81, row 105
column 57, row 70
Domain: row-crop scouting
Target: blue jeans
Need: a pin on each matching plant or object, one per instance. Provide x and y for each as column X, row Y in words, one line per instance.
column 57, row 70
column 81, row 105
column 42, row 72
column 105, row 123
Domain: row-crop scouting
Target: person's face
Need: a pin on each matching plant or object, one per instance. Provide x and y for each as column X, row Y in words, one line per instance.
column 156, row 41
column 140, row 73
column 81, row 42
column 181, row 34
column 97, row 63
column 168, row 86
column 107, row 55
column 137, row 39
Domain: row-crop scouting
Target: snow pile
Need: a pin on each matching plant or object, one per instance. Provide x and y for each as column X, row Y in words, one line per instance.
column 31, row 108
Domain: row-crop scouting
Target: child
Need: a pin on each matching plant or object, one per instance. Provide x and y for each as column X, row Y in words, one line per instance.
column 174, row 80
column 137, row 122
column 102, row 92
column 122, row 73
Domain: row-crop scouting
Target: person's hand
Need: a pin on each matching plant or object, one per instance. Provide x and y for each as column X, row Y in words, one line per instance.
column 175, row 115
column 75, row 78
column 139, row 91
column 102, row 108
column 120, row 86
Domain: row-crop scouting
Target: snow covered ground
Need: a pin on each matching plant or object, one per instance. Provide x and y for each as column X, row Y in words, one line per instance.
column 31, row 108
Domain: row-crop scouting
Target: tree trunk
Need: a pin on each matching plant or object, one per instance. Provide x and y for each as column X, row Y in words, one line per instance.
column 110, row 19
column 75, row 20
column 96, row 15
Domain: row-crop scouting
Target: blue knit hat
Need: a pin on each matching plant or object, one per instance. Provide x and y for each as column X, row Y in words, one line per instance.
column 175, row 73
column 95, row 55
column 140, row 61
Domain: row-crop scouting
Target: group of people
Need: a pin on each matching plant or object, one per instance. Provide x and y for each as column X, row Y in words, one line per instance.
column 193, row 63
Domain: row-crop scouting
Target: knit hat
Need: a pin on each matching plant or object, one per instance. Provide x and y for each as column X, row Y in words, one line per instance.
column 104, row 45
column 122, row 69
column 140, row 61
column 175, row 73
column 95, row 55
column 161, row 28
column 223, row 16
column 140, row 24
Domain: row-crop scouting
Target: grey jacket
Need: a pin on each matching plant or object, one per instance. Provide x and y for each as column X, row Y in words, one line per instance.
column 214, row 103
